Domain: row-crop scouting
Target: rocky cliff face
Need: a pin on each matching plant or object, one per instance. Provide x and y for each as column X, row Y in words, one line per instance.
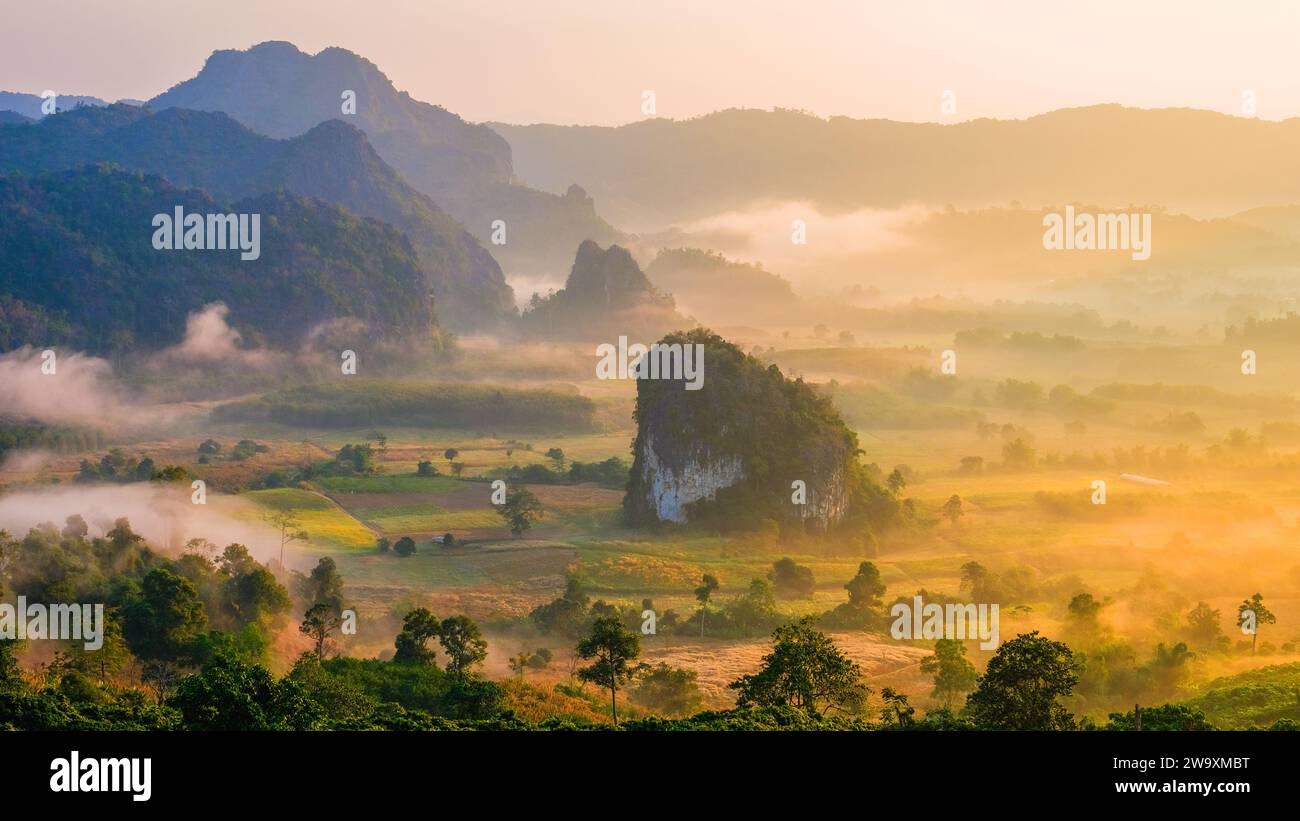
column 730, row 453
column 671, row 488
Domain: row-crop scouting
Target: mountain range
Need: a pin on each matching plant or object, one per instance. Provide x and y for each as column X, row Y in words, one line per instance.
column 278, row 90
column 30, row 105
column 659, row 172
column 332, row 161
column 81, row 269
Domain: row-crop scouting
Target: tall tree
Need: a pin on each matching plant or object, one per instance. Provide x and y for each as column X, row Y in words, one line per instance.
column 703, row 594
column 865, row 588
column 1251, row 613
column 289, row 527
column 612, row 646
column 418, row 627
column 463, row 643
column 954, row 676
column 324, row 585
column 320, row 622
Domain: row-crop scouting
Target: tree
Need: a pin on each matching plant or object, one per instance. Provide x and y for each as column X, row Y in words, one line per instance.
column 320, row 622
column 1169, row 668
column 354, row 459
column 418, row 627
column 953, row 674
column 165, row 622
column 122, row 537
column 557, row 456
column 289, row 527
column 425, row 468
column 1204, row 627
column 567, row 614
column 702, row 595
column 668, row 691
column 463, row 643
column 405, row 546
column 866, row 588
column 612, row 646
column 255, row 597
column 976, row 578
column 229, row 694
column 1083, row 619
column 1167, row 717
column 521, row 509
column 952, row 509
column 76, row 527
column 896, row 712
column 450, row 454
column 325, row 585
column 457, row 468
column 805, row 670
column 1258, row 614
column 896, row 481
column 792, row 579
column 113, row 654
column 1021, row 685
column 1019, row 454
column 520, row 662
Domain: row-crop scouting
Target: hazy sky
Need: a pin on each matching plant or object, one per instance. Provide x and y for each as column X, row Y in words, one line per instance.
column 588, row 61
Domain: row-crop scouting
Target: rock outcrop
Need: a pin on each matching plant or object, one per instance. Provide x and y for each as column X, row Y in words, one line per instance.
column 605, row 296
column 731, row 453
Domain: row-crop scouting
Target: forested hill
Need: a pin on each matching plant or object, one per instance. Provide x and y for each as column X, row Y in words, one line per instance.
column 80, row 268
column 333, row 162
column 278, row 90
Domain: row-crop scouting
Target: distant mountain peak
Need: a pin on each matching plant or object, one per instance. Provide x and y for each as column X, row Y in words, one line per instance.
column 276, row 89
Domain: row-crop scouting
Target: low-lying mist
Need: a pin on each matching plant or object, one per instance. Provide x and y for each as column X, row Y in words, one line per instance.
column 163, row 513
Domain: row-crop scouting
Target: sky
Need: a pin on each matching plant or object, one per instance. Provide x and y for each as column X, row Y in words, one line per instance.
column 589, row 61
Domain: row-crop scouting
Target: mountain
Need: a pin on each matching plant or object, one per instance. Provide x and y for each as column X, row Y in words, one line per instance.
column 606, row 296
column 29, row 105
column 706, row 284
column 659, row 172
column 81, row 269
column 275, row 89
column 727, row 455
column 332, row 161
column 13, row 118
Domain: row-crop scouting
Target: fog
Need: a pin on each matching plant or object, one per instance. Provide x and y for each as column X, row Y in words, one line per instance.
column 163, row 513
